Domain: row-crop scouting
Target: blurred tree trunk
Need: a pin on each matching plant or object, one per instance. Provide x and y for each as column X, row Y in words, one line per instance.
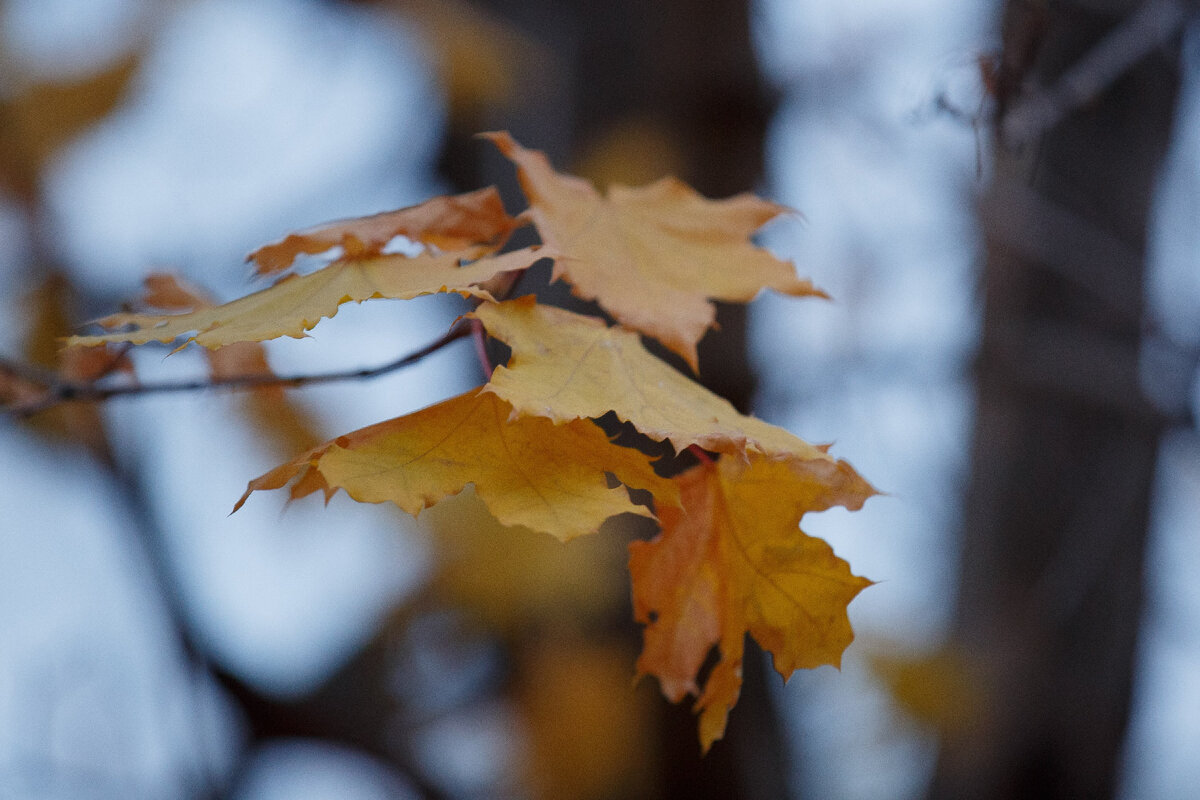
column 630, row 91
column 1064, row 442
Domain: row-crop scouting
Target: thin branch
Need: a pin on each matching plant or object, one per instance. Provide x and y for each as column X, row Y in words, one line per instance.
column 28, row 390
column 1143, row 31
column 56, row 392
column 29, row 373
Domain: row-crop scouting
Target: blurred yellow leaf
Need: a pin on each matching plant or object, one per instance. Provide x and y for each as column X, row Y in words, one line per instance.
column 42, row 117
column 590, row 736
column 478, row 55
column 939, row 688
column 633, row 151
column 513, row 577
column 80, row 422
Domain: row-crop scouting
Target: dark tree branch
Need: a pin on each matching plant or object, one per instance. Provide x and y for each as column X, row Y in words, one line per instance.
column 55, row 391
column 1136, row 37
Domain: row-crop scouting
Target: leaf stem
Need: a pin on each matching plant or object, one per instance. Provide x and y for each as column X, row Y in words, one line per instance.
column 480, row 339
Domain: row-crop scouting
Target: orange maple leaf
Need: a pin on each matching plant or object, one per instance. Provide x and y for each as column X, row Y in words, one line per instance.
column 453, row 222
column 733, row 560
column 297, row 303
column 652, row 256
column 527, row 470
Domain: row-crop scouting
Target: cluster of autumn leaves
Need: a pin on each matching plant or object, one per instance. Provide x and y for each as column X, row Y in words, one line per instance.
column 730, row 558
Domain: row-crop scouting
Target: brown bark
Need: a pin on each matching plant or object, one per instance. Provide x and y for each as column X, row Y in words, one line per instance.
column 1064, row 443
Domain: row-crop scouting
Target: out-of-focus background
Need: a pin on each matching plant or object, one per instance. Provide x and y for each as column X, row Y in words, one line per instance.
column 1010, row 354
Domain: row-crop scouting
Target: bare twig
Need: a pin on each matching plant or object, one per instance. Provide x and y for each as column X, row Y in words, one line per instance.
column 1143, row 31
column 57, row 391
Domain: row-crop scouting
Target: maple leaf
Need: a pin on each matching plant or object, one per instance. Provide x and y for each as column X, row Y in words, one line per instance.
column 270, row 410
column 527, row 470
column 733, row 560
column 297, row 303
column 653, row 256
column 171, row 292
column 568, row 366
column 454, row 222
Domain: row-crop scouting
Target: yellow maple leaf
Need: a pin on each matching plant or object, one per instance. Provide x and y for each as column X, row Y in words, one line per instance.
column 170, row 292
column 268, row 406
column 652, row 256
column 297, row 303
column 453, row 222
column 733, row 561
column 568, row 366
column 527, row 470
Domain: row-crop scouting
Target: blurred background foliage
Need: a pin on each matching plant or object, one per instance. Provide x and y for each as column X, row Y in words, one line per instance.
column 155, row 648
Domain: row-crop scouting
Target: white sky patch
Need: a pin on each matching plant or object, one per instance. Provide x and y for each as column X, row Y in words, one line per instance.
column 282, row 596
column 300, row 768
column 1165, row 730
column 92, row 683
column 62, row 40
column 247, row 120
column 467, row 750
